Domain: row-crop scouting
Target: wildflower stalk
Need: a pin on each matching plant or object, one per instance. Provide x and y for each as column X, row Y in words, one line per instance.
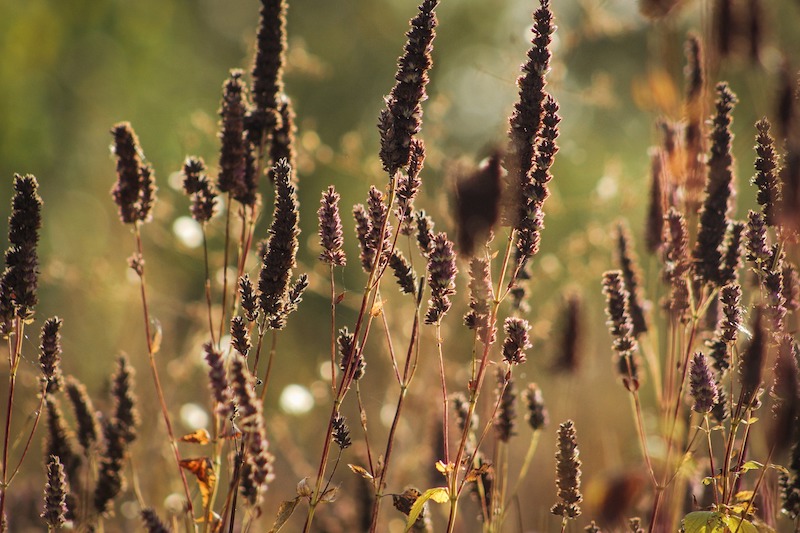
column 14, row 357
column 409, row 369
column 370, row 290
column 154, row 371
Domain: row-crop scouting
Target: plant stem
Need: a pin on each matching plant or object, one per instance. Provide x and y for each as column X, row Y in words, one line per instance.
column 156, row 380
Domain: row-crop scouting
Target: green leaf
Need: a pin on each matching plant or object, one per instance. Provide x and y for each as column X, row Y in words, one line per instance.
column 437, row 494
column 284, row 512
column 708, row 480
column 751, row 465
column 703, row 522
column 735, row 523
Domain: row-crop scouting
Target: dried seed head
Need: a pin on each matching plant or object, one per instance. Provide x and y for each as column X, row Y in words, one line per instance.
column 537, row 415
column 401, row 120
column 248, row 297
column 379, row 217
column 408, row 187
column 441, row 278
column 719, row 191
column 260, row 460
column 129, row 165
column 282, row 145
column 477, row 200
column 218, row 381
column 330, row 229
column 620, row 326
column 152, row 523
column 50, row 354
column 766, row 177
column 348, row 347
column 85, row 415
column 279, row 260
column 703, row 386
column 147, row 194
column 525, row 121
column 504, row 421
column 516, row 341
column 363, row 232
column 758, row 249
column 126, row 417
column 404, row 273
column 341, row 432
column 732, row 259
column 568, row 473
column 631, row 273
column 243, row 385
column 424, row 232
column 19, row 280
column 233, row 149
column 55, row 495
column 480, row 295
column 403, row 503
column 731, row 297
column 109, row 473
column 197, row 185
column 533, row 191
column 655, row 211
column 267, row 70
column 60, row 440
column 240, row 336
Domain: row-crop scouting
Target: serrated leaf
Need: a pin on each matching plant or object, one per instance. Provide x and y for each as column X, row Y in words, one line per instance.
column 437, row 494
column 361, row 471
column 284, row 512
column 703, row 522
column 303, row 489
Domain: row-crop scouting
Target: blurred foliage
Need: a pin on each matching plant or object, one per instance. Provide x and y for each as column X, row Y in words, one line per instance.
column 70, row 70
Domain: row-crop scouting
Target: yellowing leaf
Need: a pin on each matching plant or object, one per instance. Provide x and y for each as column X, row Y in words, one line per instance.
column 437, row 494
column 703, row 522
column 744, row 496
column 444, row 468
column 735, row 523
column 475, row 473
column 203, row 469
column 284, row 512
column 361, row 471
column 200, row 436
column 750, row 465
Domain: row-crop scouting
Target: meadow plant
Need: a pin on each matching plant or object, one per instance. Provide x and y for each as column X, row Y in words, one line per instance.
column 710, row 369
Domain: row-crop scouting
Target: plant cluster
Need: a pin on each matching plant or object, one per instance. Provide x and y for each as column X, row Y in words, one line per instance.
column 715, row 362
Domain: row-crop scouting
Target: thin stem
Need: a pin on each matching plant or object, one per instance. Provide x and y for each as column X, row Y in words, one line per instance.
column 156, row 380
column 14, row 358
column 408, row 374
column 208, row 287
column 225, row 264
column 333, row 332
column 445, row 406
column 42, row 396
column 711, row 459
